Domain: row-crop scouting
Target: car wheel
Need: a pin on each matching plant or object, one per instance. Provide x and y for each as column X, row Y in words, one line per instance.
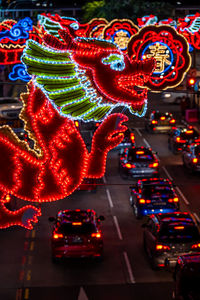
column 136, row 212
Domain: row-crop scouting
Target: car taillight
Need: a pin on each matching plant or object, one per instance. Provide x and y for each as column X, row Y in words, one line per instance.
column 132, row 136
column 172, row 121
column 154, row 165
column 154, row 122
column 143, row 201
column 195, row 160
column 195, row 246
column 173, row 200
column 58, row 236
column 129, row 166
column 162, row 118
column 160, row 247
column 96, row 235
column 178, row 139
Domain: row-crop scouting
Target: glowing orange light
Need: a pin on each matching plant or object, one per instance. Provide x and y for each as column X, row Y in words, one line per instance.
column 139, row 152
column 142, row 201
column 195, row 160
column 96, row 235
column 76, row 223
column 179, row 227
column 57, row 236
column 154, row 122
column 162, row 118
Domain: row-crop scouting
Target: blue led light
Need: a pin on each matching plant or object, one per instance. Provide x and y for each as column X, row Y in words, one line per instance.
column 18, row 31
column 19, row 72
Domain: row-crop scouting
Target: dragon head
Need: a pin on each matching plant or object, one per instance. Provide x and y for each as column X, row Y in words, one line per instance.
column 105, row 77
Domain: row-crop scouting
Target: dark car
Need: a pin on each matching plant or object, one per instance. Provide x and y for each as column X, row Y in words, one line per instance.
column 159, row 122
column 138, row 162
column 191, row 157
column 187, row 277
column 76, row 233
column 152, row 196
column 180, row 136
column 169, row 235
column 128, row 141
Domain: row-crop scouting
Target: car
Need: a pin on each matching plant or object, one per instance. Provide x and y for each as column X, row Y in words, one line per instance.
column 128, row 141
column 187, row 277
column 88, row 184
column 76, row 234
column 191, row 157
column 10, row 107
column 152, row 196
column 172, row 96
column 137, row 162
column 169, row 235
column 159, row 122
column 180, row 136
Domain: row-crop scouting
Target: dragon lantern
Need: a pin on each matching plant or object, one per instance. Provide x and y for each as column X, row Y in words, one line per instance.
column 72, row 78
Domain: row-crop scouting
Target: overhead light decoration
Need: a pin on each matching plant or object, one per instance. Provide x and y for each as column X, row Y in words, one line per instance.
column 168, row 48
column 147, row 20
column 119, row 32
column 189, row 27
column 13, row 36
column 72, row 78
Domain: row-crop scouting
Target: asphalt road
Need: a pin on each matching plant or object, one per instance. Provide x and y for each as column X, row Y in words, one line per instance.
column 25, row 261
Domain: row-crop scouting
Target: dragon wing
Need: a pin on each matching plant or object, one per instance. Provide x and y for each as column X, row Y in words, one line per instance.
column 66, row 87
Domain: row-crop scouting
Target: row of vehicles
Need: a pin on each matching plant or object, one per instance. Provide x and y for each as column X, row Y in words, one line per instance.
column 171, row 238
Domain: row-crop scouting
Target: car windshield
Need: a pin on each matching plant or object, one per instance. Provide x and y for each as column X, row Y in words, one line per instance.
column 84, row 228
column 179, row 233
column 9, row 101
column 159, row 191
column 140, row 155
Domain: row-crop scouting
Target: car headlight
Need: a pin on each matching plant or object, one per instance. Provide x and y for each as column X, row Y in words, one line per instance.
column 167, row 95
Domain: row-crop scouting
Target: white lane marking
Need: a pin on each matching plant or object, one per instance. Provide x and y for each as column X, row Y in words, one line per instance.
column 82, row 295
column 138, row 131
column 117, row 227
column 197, row 217
column 184, row 198
column 132, row 279
column 167, row 173
column 104, row 180
column 145, row 141
column 109, row 198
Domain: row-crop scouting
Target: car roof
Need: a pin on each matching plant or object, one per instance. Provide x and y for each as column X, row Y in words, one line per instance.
column 155, row 181
column 189, row 258
column 81, row 215
column 175, row 217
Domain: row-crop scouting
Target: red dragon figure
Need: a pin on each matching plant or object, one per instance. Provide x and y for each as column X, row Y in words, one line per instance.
column 71, row 79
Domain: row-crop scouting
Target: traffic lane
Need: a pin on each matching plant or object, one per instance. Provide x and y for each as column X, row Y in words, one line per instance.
column 98, row 292
column 187, row 183
column 13, row 248
column 130, row 227
column 111, row 270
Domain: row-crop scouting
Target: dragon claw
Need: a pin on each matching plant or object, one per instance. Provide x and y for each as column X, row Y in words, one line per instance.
column 30, row 215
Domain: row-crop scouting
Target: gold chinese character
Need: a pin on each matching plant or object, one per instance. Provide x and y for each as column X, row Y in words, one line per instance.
column 158, row 52
column 121, row 39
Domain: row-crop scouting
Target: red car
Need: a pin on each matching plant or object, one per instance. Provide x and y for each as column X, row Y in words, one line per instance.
column 76, row 233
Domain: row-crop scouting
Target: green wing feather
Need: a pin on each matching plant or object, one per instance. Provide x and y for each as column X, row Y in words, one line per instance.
column 57, row 75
